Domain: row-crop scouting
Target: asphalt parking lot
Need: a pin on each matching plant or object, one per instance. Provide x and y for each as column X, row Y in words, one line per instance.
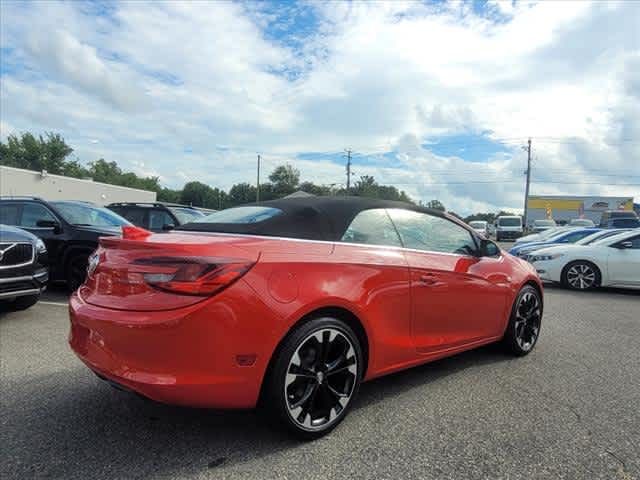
column 568, row 410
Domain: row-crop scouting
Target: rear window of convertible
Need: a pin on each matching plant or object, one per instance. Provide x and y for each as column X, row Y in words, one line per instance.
column 240, row 215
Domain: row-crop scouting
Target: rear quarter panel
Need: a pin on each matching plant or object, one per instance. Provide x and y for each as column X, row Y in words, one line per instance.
column 297, row 278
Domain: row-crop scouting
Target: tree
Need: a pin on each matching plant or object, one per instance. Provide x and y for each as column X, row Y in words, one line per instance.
column 285, row 179
column 37, row 153
column 197, row 194
column 241, row 193
column 436, row 205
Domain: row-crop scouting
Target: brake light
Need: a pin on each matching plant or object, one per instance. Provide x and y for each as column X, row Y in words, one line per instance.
column 188, row 276
column 131, row 232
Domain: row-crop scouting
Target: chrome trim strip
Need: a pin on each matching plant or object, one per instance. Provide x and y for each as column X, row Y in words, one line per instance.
column 16, row 279
column 20, row 293
column 306, row 240
column 18, row 265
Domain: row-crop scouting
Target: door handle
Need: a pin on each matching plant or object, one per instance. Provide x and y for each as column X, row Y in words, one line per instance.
column 428, row 279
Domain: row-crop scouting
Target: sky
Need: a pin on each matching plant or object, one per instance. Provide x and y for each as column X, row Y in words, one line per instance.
column 434, row 97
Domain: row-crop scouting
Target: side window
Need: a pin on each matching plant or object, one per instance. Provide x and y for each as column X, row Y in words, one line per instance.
column 422, row 231
column 134, row 215
column 32, row 213
column 9, row 213
column 372, row 227
column 635, row 241
column 575, row 236
column 159, row 218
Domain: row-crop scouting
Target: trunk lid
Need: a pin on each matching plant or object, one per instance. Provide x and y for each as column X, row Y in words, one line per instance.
column 164, row 271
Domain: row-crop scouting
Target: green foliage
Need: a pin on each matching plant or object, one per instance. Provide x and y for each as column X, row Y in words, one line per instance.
column 37, row 153
column 285, row 179
column 436, row 205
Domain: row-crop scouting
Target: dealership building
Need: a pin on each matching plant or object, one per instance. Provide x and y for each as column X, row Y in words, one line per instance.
column 19, row 182
column 566, row 208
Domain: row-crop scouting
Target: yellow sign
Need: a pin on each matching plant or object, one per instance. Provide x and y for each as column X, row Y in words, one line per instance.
column 554, row 204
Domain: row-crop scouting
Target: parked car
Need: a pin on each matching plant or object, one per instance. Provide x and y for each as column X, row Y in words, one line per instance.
column 542, row 225
column 156, row 216
column 537, row 237
column 581, row 222
column 624, row 222
column 601, row 235
column 69, row 229
column 612, row 261
column 609, row 215
column 508, row 227
column 481, row 227
column 23, row 271
column 295, row 302
column 570, row 236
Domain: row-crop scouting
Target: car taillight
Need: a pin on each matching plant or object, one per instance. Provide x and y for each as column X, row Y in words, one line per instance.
column 188, row 276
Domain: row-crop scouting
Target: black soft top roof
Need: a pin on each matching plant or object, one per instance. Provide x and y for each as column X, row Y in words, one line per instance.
column 312, row 218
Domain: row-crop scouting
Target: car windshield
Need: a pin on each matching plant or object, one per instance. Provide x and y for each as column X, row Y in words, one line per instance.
column 625, row 223
column 186, row 215
column 610, row 239
column 509, row 222
column 240, row 215
column 544, row 223
column 599, row 236
column 552, row 232
column 582, row 222
column 478, row 224
column 77, row 213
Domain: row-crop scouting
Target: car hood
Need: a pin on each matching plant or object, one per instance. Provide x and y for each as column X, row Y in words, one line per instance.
column 13, row 234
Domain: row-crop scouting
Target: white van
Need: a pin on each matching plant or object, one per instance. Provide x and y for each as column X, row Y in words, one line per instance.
column 508, row 227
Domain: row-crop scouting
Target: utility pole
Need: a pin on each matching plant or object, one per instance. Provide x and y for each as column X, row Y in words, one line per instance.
column 258, row 182
column 348, row 151
column 526, row 189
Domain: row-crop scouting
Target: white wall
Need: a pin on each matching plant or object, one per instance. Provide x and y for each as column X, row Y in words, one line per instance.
column 15, row 181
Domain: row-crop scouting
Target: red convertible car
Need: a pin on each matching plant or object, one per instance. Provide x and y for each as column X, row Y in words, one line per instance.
column 292, row 303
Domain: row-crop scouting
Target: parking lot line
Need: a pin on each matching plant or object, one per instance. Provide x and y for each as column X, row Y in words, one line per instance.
column 58, row 304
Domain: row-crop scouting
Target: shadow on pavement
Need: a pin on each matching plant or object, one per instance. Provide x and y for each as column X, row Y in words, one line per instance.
column 72, row 425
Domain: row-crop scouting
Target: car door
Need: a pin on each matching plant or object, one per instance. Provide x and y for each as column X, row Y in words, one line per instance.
column 623, row 263
column 31, row 214
column 457, row 297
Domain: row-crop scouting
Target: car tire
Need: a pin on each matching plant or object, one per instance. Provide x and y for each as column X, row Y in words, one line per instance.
column 314, row 378
column 523, row 330
column 22, row 303
column 581, row 275
column 76, row 271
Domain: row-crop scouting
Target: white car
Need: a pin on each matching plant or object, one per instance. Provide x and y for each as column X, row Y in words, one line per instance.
column 481, row 227
column 611, row 261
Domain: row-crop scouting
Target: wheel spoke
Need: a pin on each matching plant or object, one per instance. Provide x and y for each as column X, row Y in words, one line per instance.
column 306, row 396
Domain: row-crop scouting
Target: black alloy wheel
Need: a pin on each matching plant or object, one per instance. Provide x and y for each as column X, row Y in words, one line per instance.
column 524, row 325
column 316, row 377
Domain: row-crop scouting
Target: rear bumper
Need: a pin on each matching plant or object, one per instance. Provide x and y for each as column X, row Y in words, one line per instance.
column 188, row 356
column 23, row 285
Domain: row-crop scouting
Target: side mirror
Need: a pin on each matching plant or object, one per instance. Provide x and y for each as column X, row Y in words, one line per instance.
column 168, row 226
column 624, row 245
column 488, row 248
column 49, row 224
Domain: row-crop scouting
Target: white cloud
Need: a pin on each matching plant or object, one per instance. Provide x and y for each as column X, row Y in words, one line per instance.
column 159, row 87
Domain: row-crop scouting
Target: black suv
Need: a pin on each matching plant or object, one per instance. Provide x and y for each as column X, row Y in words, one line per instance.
column 608, row 219
column 156, row 216
column 69, row 229
column 23, row 271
